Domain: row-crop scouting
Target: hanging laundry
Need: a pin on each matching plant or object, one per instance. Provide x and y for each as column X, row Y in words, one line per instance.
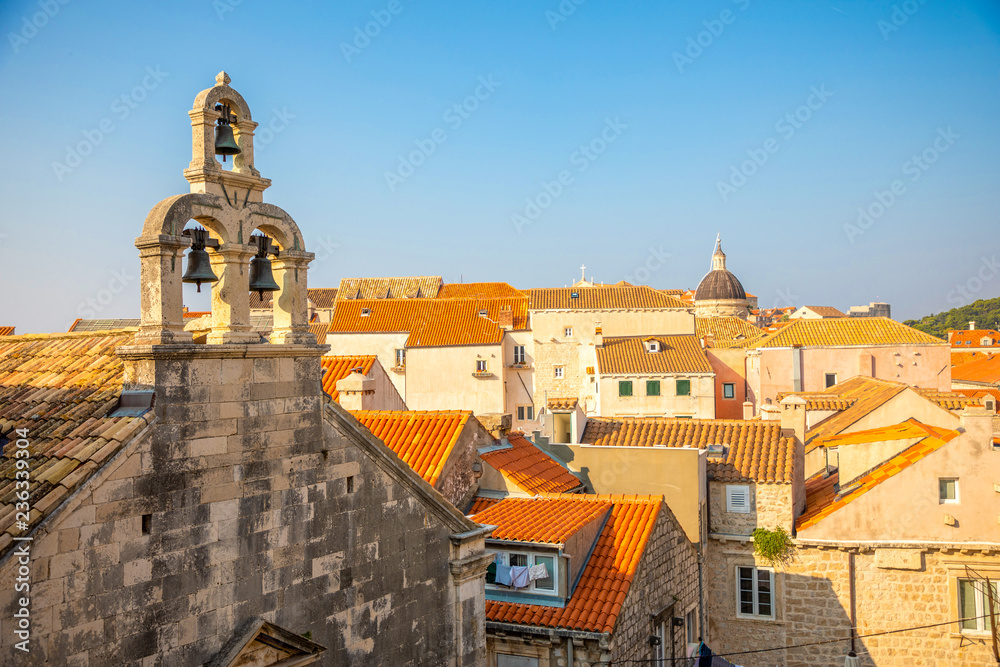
column 538, row 572
column 503, row 574
column 519, row 577
column 491, row 573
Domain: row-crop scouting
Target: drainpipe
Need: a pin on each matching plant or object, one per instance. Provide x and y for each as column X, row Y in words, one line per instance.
column 569, row 652
column 854, row 619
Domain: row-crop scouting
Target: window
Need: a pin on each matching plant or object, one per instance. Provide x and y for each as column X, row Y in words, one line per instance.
column 507, row 660
column 652, row 387
column 948, row 490
column 654, row 346
column 559, row 372
column 754, row 592
column 684, row 387
column 625, row 388
column 400, row 357
column 525, row 413
column 691, row 627
column 365, row 312
column 547, row 583
column 518, row 354
column 973, row 605
column 543, row 585
column 728, row 390
column 480, row 365
column 831, row 379
column 738, row 498
column 568, row 332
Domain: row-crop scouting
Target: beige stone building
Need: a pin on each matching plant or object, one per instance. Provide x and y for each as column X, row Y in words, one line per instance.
column 189, row 503
column 620, row 584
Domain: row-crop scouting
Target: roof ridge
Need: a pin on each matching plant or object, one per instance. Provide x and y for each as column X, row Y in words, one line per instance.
column 57, row 335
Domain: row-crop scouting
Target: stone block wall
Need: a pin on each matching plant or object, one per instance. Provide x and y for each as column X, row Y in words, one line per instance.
column 895, row 589
column 771, row 506
column 242, row 501
column 667, row 574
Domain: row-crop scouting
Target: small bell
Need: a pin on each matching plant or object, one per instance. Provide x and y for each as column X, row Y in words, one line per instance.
column 199, row 267
column 261, row 278
column 225, row 141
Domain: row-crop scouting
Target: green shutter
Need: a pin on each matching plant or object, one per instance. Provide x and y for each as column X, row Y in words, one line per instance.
column 684, row 387
column 652, row 387
column 624, row 387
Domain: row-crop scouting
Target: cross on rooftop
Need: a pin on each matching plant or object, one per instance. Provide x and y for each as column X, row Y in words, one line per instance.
column 583, row 268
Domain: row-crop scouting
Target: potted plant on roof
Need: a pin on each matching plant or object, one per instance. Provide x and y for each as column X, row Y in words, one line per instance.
column 774, row 546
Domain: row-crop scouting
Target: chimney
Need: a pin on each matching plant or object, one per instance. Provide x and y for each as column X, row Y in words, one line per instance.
column 978, row 424
column 972, row 325
column 769, row 412
column 505, row 320
column 796, row 368
column 866, row 364
column 747, row 410
column 707, row 341
column 598, row 335
column 793, row 417
column 357, row 392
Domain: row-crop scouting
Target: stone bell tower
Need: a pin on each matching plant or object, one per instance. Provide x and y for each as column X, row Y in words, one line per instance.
column 230, row 205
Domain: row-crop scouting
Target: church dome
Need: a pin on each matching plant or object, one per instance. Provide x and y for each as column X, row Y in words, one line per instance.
column 719, row 283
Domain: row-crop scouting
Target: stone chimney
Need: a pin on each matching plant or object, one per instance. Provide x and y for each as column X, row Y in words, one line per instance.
column 770, row 412
column 598, row 335
column 356, row 391
column 793, row 417
column 978, row 424
column 505, row 320
column 747, row 410
column 972, row 325
column 707, row 341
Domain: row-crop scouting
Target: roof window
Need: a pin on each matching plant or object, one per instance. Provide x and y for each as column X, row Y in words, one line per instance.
column 365, row 312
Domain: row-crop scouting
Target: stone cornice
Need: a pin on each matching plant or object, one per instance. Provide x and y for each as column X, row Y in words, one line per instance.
column 221, row 351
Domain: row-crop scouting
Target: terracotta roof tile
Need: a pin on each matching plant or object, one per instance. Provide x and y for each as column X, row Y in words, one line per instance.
column 608, row 574
column 544, row 520
column 681, row 354
column 824, row 497
column 479, row 503
column 727, row 332
column 911, row 428
column 846, row 332
column 431, row 322
column 479, row 291
column 980, row 370
column 865, row 395
column 609, row 297
column 336, row 368
column 949, row 400
column 826, row 311
column 60, row 387
column 974, row 338
column 319, row 330
column 6, row 331
column 530, row 468
column 561, row 404
column 409, row 287
column 755, row 449
column 423, row 440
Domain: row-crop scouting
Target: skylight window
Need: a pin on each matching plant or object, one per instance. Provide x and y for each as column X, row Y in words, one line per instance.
column 365, row 312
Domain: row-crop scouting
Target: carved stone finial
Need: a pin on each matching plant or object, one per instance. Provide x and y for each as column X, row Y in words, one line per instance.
column 222, row 79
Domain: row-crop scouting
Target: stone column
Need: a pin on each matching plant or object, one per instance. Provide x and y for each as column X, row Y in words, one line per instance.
column 203, row 139
column 243, row 163
column 291, row 307
column 231, row 295
column 161, row 298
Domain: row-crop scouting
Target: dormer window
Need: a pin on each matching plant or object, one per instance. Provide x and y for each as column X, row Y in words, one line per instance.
column 653, row 346
column 986, row 341
column 365, row 312
column 523, row 572
column 483, row 313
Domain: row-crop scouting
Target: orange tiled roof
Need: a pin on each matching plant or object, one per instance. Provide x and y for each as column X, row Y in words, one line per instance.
column 963, row 357
column 609, row 297
column 866, row 395
column 727, row 332
column 628, row 356
column 756, row 451
column 530, row 468
column 979, row 392
column 61, row 387
column 974, row 337
column 478, row 291
column 336, row 368
column 846, row 332
column 409, row 287
column 824, row 497
column 608, row 574
column 561, row 404
column 90, row 326
column 826, row 311
column 319, row 330
column 820, row 401
column 321, row 297
column 544, row 519
column 980, row 370
column 479, row 503
column 949, row 400
column 430, row 322
column 423, row 440
column 911, row 428
column 6, row 331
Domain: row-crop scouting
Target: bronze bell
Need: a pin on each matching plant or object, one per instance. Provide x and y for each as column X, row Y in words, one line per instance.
column 225, row 142
column 261, row 278
column 199, row 268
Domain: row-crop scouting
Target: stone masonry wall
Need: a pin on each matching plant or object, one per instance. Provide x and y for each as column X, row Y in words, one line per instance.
column 895, row 589
column 771, row 506
column 242, row 502
column 668, row 573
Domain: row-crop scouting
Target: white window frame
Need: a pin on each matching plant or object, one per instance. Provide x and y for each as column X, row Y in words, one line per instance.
column 734, row 490
column 654, row 346
column 553, row 573
column 756, row 593
column 948, row 501
column 982, row 611
column 826, row 379
column 558, row 372
column 400, row 357
column 567, row 332
column 481, row 366
column 519, row 356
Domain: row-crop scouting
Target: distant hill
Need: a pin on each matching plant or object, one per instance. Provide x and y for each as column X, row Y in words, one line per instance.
column 985, row 313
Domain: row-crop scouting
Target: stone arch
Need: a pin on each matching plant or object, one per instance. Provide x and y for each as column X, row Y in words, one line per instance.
column 276, row 223
column 221, row 93
column 169, row 217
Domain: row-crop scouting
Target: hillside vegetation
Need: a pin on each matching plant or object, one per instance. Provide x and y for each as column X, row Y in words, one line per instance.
column 985, row 313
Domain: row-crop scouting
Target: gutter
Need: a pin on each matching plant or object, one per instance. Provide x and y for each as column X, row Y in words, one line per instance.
column 499, row 627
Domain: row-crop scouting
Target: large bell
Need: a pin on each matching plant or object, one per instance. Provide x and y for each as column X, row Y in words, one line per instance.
column 261, row 278
column 199, row 267
column 225, row 142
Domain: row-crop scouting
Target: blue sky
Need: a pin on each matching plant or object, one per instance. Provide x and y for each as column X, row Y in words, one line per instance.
column 816, row 107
